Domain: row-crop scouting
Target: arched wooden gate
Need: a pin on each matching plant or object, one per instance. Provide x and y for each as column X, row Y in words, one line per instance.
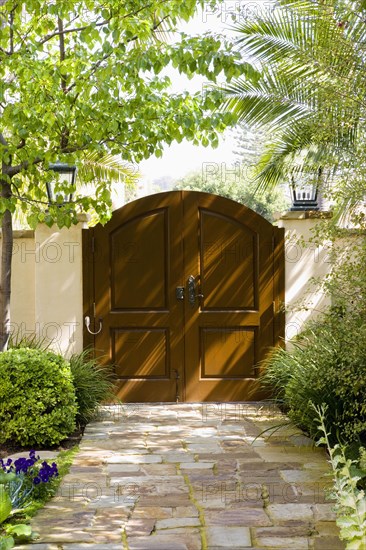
column 185, row 288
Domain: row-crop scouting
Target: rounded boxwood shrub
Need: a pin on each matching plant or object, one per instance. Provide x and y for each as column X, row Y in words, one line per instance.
column 37, row 397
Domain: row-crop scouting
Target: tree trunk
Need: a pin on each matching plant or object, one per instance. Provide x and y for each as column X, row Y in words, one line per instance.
column 5, row 274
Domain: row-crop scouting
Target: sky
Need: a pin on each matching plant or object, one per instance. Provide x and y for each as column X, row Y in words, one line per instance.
column 182, row 158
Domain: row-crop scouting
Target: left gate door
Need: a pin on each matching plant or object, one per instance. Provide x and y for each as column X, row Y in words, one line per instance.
column 139, row 308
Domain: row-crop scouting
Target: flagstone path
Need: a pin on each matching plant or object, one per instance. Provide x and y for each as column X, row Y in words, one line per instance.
column 191, row 477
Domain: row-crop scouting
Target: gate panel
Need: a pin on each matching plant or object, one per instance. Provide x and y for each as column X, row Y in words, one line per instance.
column 135, row 247
column 228, row 263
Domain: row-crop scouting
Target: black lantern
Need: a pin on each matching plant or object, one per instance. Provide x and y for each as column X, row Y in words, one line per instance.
column 67, row 174
column 304, row 196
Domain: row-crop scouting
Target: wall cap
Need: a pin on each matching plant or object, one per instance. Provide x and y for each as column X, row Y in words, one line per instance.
column 82, row 218
column 21, row 234
column 305, row 215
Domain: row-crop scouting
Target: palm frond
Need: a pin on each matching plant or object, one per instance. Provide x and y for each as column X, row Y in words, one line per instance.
column 270, row 40
column 261, row 103
column 281, row 160
column 95, row 166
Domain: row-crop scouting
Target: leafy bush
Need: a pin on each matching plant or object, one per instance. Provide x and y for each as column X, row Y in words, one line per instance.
column 327, row 364
column 93, row 385
column 37, row 397
column 350, row 499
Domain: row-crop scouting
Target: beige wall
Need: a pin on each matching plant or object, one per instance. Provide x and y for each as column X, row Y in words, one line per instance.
column 47, row 286
column 303, row 262
column 23, row 283
column 58, row 287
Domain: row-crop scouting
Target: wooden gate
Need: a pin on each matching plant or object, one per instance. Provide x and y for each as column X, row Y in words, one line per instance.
column 184, row 290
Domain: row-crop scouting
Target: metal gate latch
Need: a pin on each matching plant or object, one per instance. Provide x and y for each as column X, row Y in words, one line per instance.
column 179, row 292
column 191, row 286
column 87, row 324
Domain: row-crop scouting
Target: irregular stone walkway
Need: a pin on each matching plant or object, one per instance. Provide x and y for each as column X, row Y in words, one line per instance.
column 191, row 477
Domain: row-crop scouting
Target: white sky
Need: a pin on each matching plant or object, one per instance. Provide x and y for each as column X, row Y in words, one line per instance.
column 182, row 158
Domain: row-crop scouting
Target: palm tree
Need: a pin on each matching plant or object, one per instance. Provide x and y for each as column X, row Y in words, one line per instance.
column 312, row 89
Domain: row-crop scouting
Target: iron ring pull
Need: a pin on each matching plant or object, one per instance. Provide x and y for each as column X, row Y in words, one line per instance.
column 87, row 324
column 191, row 284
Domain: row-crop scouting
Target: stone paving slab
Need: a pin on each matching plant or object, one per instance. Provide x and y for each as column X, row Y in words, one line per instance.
column 229, row 537
column 191, row 477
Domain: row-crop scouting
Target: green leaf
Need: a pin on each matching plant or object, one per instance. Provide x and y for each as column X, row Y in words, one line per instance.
column 7, row 478
column 5, row 504
column 20, row 530
column 6, row 543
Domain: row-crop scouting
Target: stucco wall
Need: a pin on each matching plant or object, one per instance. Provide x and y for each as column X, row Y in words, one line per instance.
column 58, row 287
column 304, row 261
column 46, row 297
column 23, row 283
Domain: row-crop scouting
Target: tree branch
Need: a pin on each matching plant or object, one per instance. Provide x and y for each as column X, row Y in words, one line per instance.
column 14, row 170
column 100, row 24
column 62, row 50
column 64, row 135
column 67, row 31
column 3, row 140
column 69, row 149
column 21, row 144
column 11, row 33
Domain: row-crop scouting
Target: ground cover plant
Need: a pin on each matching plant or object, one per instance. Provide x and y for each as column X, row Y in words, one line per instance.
column 32, row 410
column 349, row 487
column 26, row 484
column 92, row 384
column 326, row 370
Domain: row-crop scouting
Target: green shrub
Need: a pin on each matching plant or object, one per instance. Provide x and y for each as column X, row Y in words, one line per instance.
column 37, row 397
column 326, row 365
column 93, row 385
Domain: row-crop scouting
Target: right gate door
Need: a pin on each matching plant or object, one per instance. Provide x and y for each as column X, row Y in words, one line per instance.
column 234, row 285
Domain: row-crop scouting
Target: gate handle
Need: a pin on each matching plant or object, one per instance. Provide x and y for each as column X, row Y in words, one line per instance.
column 87, row 324
column 191, row 284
